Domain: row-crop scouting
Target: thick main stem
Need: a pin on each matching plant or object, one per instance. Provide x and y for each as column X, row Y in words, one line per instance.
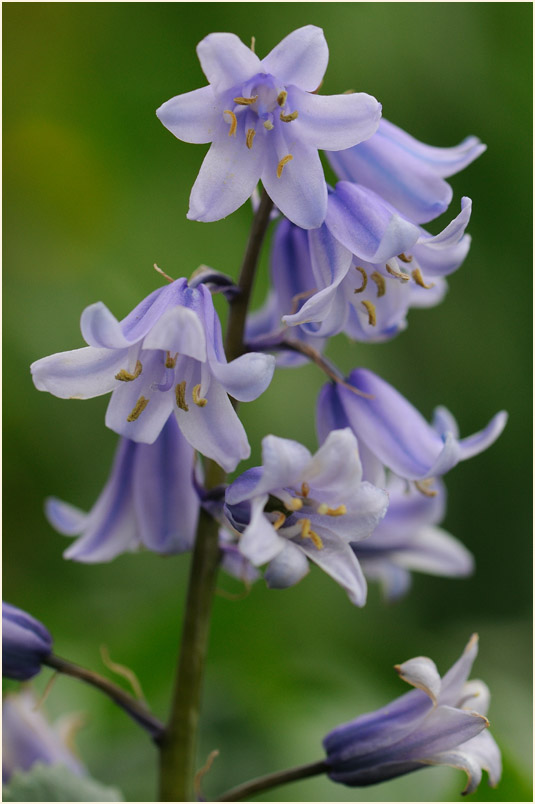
column 244, row 791
column 179, row 742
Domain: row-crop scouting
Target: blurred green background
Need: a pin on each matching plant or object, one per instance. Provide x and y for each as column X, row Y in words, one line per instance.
column 95, row 192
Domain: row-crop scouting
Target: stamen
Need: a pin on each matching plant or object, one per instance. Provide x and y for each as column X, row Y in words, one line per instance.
column 180, row 393
column 305, row 490
column 418, row 278
column 253, row 43
column 423, row 487
column 281, row 98
column 364, row 279
column 340, row 511
column 405, row 257
column 397, row 274
column 380, row 282
column 281, row 519
column 233, row 122
column 166, row 276
column 307, row 533
column 170, row 362
column 295, row 504
column 370, row 308
column 245, row 101
column 349, row 92
column 287, row 118
column 305, row 294
column 138, row 409
column 284, row 161
column 268, row 124
column 125, row 375
column 249, row 137
column 197, row 398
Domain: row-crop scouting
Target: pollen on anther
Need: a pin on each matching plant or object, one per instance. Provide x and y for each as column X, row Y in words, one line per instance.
column 245, row 101
column 197, row 398
column 295, row 504
column 170, row 362
column 249, row 137
column 339, row 511
column 281, row 97
column 307, row 533
column 405, row 257
column 418, row 278
column 370, row 308
column 305, row 489
column 364, row 275
column 423, row 487
column 397, row 274
column 125, row 376
column 279, row 522
column 180, row 394
column 138, row 409
column 268, row 125
column 233, row 122
column 287, row 118
column 380, row 282
column 284, row 161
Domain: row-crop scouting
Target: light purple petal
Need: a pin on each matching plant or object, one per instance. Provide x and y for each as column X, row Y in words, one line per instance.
column 366, row 225
column 226, row 61
column 80, row 373
column 330, row 413
column 394, row 580
column 483, row 750
column 287, row 568
column 65, row 518
column 100, row 328
column 455, row 678
column 474, row 444
column 244, row 487
column 335, row 122
column 338, row 560
column 421, row 673
column 178, row 330
column 235, row 564
column 246, row 377
column 301, row 58
column 475, row 695
column 443, row 728
column 335, row 471
column 453, row 232
column 462, row 761
column 436, row 552
column 300, row 191
column 260, row 541
column 193, row 116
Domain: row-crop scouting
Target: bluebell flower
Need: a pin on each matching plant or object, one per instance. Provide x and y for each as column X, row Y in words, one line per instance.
column 25, row 643
column 166, row 355
column 28, row 737
column 265, row 122
column 442, row 722
column 149, row 500
column 407, row 173
column 408, row 539
column 298, row 507
column 358, row 273
column 393, row 434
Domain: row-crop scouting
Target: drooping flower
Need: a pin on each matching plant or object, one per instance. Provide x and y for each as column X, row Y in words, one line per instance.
column 265, row 122
column 442, row 722
column 408, row 539
column 28, row 737
column 298, row 507
column 26, row 643
column 149, row 500
column 407, row 173
column 166, row 355
column 359, row 273
column 393, row 434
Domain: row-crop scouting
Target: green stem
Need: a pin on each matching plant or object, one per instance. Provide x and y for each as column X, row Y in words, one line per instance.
column 243, row 792
column 179, row 742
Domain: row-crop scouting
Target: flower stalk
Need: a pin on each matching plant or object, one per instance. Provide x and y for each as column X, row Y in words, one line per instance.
column 244, row 791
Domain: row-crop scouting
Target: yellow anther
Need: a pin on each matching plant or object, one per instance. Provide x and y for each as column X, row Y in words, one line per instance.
column 418, row 278
column 199, row 400
column 281, row 97
column 307, row 533
column 370, row 309
column 295, row 504
column 125, row 375
column 281, row 519
column 233, row 122
column 340, row 511
column 287, row 118
column 364, row 275
column 405, row 257
column 180, row 393
column 380, row 282
column 305, row 489
column 397, row 274
column 423, row 487
column 170, row 362
column 138, row 409
column 322, row 509
column 249, row 137
column 268, row 125
column 284, row 161
column 245, row 101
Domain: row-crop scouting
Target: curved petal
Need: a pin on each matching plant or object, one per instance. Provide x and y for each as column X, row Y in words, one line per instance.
column 193, row 116
column 178, row 330
column 443, row 254
column 462, row 761
column 80, row 373
column 101, row 329
column 338, row 560
column 335, row 122
column 335, row 472
column 456, row 677
column 474, row 444
column 287, row 568
column 421, row 673
column 453, row 232
column 228, row 175
column 64, row 517
column 330, row 413
column 300, row 191
column 444, row 728
column 475, row 696
column 147, row 313
column 244, row 487
column 246, row 377
column 366, row 225
column 226, row 61
column 301, row 58
column 283, row 462
column 436, row 552
column 260, row 541
column 485, row 752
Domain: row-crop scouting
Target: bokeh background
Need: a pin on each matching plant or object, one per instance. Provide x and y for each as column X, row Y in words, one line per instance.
column 95, row 192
